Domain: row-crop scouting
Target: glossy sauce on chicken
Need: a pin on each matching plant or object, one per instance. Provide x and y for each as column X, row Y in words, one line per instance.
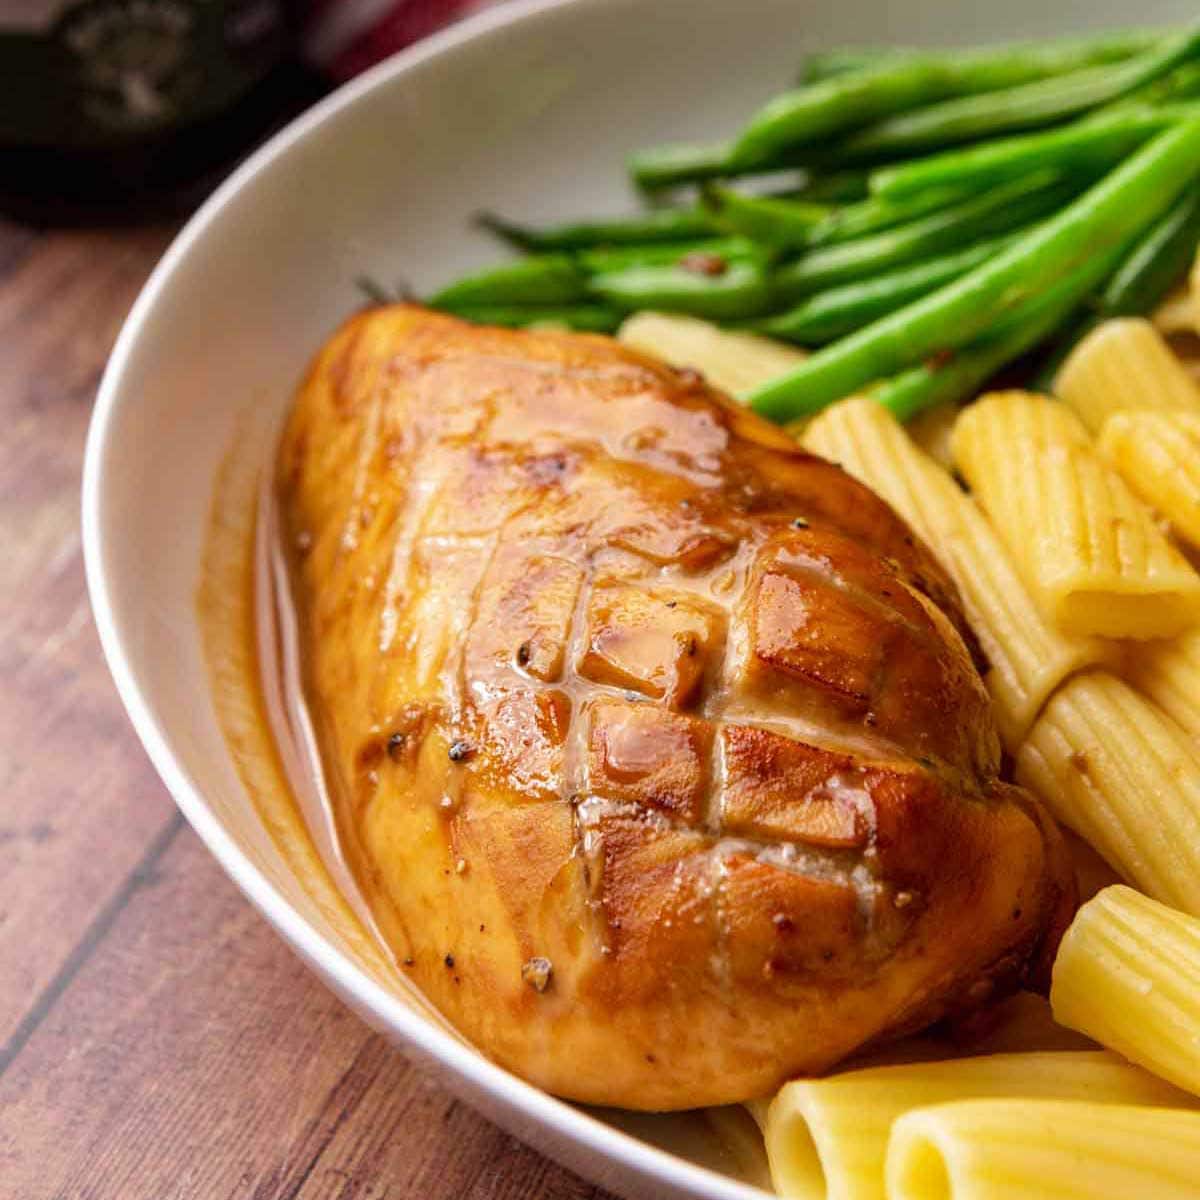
column 655, row 742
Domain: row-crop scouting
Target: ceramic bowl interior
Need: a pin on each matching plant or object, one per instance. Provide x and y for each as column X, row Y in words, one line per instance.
column 529, row 109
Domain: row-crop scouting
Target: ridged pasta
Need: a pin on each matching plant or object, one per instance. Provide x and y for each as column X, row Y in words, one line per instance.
column 1122, row 364
column 1028, row 657
column 734, row 362
column 1043, row 1150
column 1168, row 673
column 931, row 430
column 1158, row 455
column 1128, row 974
column 1190, row 363
column 1088, row 548
column 829, row 1136
column 1111, row 766
column 1176, row 313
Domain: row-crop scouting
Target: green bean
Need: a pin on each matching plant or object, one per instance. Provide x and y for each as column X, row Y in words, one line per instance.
column 962, row 374
column 589, row 318
column 1052, row 57
column 788, row 223
column 1183, row 83
column 666, row 166
column 812, row 114
column 843, row 60
column 661, row 167
column 1029, row 106
column 657, row 225
column 545, row 279
column 1126, row 200
column 1091, row 144
column 1156, row 262
column 731, row 249
column 876, row 213
column 740, row 291
column 841, row 310
column 978, row 217
column 837, row 187
column 769, row 219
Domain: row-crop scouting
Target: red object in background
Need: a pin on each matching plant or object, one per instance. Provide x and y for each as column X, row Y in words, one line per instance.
column 344, row 37
column 128, row 109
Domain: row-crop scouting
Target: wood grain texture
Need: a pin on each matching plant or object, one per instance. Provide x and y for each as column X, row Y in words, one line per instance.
column 80, row 802
column 156, row 1038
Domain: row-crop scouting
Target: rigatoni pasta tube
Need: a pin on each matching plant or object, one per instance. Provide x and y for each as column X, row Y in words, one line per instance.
column 931, row 431
column 1117, row 770
column 1176, row 313
column 1128, row 974
column 1089, row 549
column 1158, row 455
column 1168, row 672
column 1123, row 364
column 829, row 1136
column 1028, row 657
column 1043, row 1150
column 734, row 362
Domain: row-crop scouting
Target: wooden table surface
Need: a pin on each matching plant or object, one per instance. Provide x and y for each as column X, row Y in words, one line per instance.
column 157, row 1040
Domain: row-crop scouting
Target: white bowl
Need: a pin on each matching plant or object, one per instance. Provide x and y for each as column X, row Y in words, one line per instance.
column 529, row 109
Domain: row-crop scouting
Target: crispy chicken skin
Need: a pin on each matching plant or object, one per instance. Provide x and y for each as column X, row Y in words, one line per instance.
column 654, row 739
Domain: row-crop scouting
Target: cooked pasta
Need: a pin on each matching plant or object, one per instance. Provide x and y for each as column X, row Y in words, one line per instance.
column 1190, row 362
column 1043, row 1150
column 1158, row 455
column 1128, row 974
column 1168, row 672
column 931, row 431
column 829, row 1136
column 1111, row 766
column 1124, row 363
column 1176, row 313
column 1089, row 550
column 1028, row 657
column 734, row 362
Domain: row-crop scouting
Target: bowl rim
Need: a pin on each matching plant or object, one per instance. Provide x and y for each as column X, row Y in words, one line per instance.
column 567, row 1122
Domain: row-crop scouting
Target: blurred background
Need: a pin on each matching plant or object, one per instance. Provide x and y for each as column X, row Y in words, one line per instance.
column 128, row 110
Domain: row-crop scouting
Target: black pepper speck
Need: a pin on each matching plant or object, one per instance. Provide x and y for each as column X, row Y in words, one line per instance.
column 537, row 972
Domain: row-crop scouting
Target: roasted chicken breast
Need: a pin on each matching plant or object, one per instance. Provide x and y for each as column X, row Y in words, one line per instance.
column 656, row 742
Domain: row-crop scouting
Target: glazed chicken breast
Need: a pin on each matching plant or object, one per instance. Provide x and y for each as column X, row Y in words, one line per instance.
column 656, row 742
